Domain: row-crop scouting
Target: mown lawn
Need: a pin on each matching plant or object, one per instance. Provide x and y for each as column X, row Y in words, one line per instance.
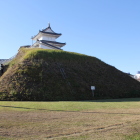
column 71, row 105
column 117, row 119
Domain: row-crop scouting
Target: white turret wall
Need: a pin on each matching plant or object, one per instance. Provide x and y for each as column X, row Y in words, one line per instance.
column 44, row 47
column 137, row 76
column 47, row 38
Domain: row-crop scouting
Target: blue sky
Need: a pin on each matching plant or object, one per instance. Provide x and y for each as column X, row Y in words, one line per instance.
column 106, row 29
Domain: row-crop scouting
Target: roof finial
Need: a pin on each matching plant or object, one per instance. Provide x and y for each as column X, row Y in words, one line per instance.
column 49, row 24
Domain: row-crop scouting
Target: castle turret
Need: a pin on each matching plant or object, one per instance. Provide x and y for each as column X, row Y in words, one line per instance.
column 46, row 39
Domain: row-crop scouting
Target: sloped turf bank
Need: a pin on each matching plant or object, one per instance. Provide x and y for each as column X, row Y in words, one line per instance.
column 52, row 75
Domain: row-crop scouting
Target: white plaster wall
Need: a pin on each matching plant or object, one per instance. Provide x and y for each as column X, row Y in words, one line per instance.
column 44, row 47
column 57, row 45
column 137, row 76
column 47, row 38
column 40, row 38
column 35, row 45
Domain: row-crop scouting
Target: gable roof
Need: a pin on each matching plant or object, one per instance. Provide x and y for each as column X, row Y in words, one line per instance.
column 45, row 43
column 47, row 33
column 50, row 33
column 44, row 30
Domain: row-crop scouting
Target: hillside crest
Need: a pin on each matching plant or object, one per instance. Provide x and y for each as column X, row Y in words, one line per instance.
column 50, row 75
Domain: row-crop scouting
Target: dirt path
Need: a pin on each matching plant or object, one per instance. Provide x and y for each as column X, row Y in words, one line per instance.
column 56, row 125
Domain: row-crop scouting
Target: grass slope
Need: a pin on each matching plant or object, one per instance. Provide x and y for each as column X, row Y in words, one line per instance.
column 38, row 74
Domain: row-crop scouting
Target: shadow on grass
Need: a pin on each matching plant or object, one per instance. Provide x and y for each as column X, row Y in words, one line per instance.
column 72, row 111
column 16, row 107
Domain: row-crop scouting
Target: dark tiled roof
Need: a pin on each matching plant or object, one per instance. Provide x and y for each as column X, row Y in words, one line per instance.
column 46, row 33
column 48, row 28
column 46, row 41
column 50, row 33
column 51, row 45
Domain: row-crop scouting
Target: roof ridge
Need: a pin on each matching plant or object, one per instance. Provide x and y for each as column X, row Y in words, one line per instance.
column 50, row 32
column 52, row 41
column 49, row 27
